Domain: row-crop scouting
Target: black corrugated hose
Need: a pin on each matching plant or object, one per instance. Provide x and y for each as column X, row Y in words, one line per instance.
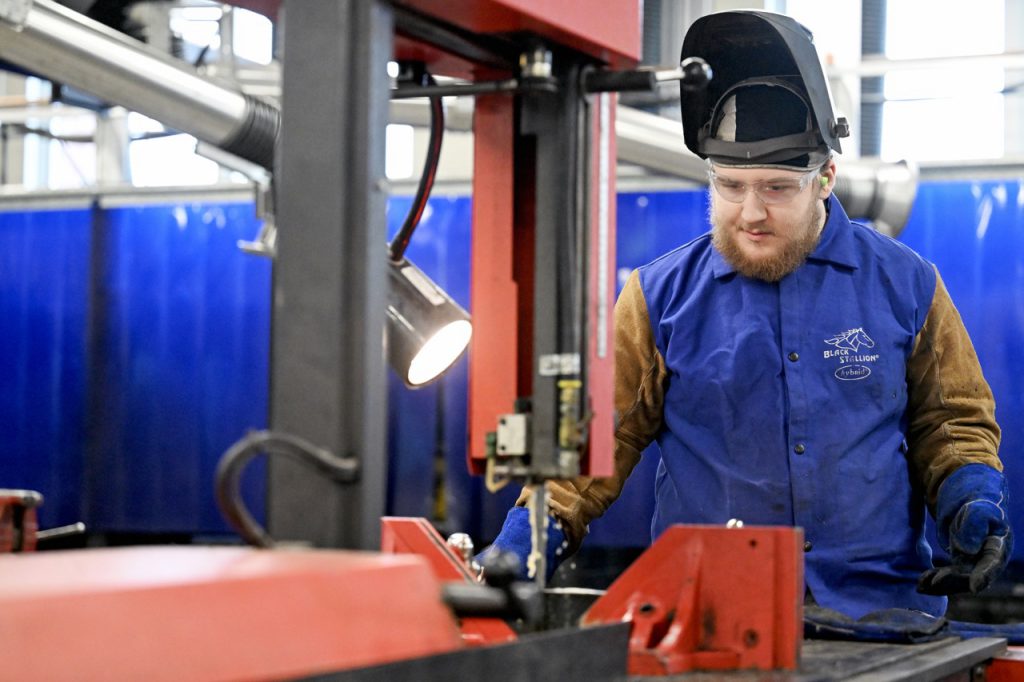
column 256, row 139
column 398, row 245
column 234, row 461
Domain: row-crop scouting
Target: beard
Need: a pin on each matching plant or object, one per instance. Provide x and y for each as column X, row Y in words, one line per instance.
column 774, row 267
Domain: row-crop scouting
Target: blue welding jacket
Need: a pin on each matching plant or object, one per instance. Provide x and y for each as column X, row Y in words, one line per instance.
column 786, row 402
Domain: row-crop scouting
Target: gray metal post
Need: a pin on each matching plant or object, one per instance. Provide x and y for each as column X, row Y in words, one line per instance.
column 558, row 123
column 327, row 367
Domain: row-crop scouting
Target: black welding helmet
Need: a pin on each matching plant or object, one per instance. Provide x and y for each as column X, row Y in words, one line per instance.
column 768, row 103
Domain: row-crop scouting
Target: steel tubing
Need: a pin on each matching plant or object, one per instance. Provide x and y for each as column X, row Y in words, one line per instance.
column 67, row 47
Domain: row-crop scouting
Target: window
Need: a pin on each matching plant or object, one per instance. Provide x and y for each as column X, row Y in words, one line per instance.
column 398, row 164
column 947, row 112
column 198, row 28
column 166, row 159
column 253, row 36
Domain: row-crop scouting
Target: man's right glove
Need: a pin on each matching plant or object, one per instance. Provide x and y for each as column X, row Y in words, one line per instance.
column 515, row 538
column 974, row 527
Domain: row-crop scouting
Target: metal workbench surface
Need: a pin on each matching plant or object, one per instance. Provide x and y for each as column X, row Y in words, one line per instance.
column 599, row 655
column 872, row 662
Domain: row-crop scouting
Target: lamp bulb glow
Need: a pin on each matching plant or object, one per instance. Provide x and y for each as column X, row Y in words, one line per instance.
column 439, row 352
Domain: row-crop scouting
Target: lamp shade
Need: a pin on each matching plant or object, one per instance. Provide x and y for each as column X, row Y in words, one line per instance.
column 426, row 330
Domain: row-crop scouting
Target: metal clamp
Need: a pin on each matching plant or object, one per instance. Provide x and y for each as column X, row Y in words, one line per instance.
column 265, row 243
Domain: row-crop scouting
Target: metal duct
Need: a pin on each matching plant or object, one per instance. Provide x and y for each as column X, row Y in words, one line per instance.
column 65, row 46
column 878, row 191
column 869, row 188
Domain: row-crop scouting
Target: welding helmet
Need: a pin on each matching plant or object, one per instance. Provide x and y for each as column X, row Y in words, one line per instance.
column 768, row 103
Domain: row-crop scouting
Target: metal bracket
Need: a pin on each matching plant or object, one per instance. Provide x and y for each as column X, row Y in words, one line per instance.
column 265, row 243
column 513, row 435
column 711, row 598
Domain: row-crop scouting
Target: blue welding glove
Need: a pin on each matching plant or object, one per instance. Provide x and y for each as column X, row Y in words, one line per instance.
column 515, row 538
column 974, row 527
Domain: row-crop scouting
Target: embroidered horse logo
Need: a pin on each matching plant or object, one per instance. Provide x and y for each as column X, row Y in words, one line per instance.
column 851, row 340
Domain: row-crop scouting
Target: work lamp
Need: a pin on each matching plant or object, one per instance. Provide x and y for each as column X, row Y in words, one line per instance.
column 426, row 330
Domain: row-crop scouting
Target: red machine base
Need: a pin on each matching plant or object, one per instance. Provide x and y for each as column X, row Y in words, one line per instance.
column 204, row 614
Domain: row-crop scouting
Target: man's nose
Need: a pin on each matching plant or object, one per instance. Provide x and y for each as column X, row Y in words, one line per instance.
column 752, row 209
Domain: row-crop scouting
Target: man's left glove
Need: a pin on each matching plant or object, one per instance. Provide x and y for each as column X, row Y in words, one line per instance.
column 515, row 538
column 974, row 527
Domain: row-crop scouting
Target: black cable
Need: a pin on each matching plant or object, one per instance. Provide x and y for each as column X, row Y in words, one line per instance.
column 26, row 129
column 86, row 139
column 396, row 250
column 1011, row 89
column 234, row 461
column 200, row 59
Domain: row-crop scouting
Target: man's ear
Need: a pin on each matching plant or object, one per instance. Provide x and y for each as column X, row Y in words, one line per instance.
column 827, row 179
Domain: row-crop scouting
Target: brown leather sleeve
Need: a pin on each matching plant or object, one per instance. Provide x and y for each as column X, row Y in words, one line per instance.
column 639, row 394
column 950, row 408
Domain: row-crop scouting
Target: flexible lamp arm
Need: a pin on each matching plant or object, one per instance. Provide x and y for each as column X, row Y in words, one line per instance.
column 396, row 250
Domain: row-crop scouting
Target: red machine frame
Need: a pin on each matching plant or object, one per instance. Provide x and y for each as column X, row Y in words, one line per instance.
column 214, row 613
column 711, row 598
column 501, row 288
column 402, row 535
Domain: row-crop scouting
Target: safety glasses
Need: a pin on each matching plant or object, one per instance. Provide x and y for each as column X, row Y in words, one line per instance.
column 774, row 191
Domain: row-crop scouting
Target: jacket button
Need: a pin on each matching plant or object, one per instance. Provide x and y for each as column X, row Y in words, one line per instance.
column 794, row 356
column 808, row 546
column 799, row 448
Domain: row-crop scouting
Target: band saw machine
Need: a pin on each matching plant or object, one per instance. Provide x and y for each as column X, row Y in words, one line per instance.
column 336, row 591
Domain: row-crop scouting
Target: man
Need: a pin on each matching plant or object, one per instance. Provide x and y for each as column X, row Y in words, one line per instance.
column 796, row 368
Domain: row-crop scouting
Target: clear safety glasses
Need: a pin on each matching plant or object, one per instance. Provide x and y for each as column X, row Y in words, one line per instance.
column 774, row 191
